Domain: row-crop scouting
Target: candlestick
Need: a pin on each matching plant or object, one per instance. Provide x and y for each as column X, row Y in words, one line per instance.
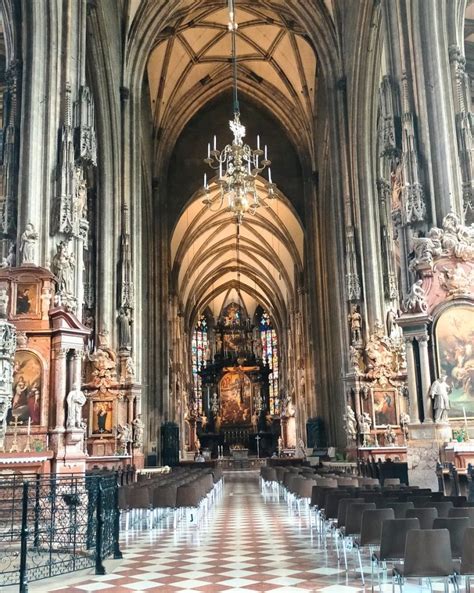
column 215, row 143
column 29, row 427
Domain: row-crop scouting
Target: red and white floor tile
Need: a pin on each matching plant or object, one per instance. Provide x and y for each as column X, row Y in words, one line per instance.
column 248, row 544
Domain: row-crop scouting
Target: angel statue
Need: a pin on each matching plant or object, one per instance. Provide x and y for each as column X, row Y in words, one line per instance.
column 404, row 422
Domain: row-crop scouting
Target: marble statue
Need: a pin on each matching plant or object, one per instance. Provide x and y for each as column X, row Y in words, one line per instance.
column 300, row 450
column 390, row 436
column 75, row 400
column 124, row 436
column 29, row 239
column 10, row 260
column 364, row 427
column 404, row 422
column 3, row 302
column 63, row 265
column 439, row 393
column 124, row 323
column 415, row 300
column 8, row 344
column 138, row 430
column 350, row 424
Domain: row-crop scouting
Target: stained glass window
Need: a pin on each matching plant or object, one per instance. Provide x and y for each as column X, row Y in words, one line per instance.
column 199, row 346
column 270, row 354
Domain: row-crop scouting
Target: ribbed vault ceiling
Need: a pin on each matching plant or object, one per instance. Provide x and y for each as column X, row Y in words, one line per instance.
column 210, row 264
column 193, row 54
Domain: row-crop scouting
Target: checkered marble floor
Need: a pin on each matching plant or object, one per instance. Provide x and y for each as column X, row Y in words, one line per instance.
column 247, row 544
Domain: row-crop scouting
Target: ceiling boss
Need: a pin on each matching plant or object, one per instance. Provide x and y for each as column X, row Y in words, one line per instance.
column 237, row 165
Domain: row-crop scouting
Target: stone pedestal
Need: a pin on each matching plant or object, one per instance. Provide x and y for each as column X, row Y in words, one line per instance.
column 423, row 453
column 72, row 459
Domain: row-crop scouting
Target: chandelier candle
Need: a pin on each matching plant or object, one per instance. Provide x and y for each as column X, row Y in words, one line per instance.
column 237, row 165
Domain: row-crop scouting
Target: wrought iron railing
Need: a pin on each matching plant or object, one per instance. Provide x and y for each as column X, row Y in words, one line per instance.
column 52, row 525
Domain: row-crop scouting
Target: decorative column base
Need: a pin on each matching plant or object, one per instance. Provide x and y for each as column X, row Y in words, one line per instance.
column 423, row 453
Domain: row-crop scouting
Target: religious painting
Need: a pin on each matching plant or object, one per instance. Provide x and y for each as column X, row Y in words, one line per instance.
column 384, row 407
column 235, row 397
column 454, row 334
column 27, row 387
column 26, row 299
column 101, row 418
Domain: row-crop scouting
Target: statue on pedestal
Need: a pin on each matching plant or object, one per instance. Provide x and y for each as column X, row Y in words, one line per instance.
column 390, row 436
column 63, row 265
column 124, row 322
column 355, row 321
column 404, row 422
column 350, row 424
column 28, row 242
column 138, row 429
column 439, row 393
column 75, row 400
column 364, row 427
column 3, row 302
column 124, row 436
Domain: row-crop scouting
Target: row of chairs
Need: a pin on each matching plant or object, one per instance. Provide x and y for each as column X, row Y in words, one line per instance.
column 362, row 516
column 184, row 492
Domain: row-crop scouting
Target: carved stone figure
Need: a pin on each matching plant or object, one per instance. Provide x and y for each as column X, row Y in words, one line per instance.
column 404, row 422
column 29, row 239
column 45, row 302
column 138, row 430
column 350, row 424
column 75, row 400
column 124, row 436
column 425, row 248
column 3, row 303
column 10, row 260
column 439, row 393
column 365, row 423
column 415, row 300
column 63, row 265
column 7, row 352
column 124, row 322
column 390, row 436
column 355, row 321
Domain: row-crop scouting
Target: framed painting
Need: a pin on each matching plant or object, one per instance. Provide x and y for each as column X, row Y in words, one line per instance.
column 26, row 301
column 384, row 407
column 27, row 388
column 235, row 399
column 454, row 338
column 101, row 418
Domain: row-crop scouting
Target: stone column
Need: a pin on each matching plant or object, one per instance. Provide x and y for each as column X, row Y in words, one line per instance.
column 76, row 368
column 414, row 411
column 417, row 49
column 425, row 378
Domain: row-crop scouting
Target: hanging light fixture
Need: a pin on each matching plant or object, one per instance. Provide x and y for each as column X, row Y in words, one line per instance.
column 237, row 165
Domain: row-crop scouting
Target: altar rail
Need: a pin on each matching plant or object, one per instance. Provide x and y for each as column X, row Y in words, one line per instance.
column 51, row 525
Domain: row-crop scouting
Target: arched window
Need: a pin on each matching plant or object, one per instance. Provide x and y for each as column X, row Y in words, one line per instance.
column 270, row 354
column 199, row 348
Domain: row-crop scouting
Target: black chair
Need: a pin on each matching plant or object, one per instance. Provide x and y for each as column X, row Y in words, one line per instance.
column 426, row 516
column 427, row 555
column 463, row 512
column 456, row 527
column 371, row 533
column 392, row 543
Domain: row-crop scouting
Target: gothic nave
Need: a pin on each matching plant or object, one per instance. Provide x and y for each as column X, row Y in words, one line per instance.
column 230, row 231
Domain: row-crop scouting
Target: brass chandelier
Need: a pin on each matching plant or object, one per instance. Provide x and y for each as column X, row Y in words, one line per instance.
column 237, row 165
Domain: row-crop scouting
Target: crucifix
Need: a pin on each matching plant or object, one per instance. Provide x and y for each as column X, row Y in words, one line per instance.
column 257, row 438
column 14, row 448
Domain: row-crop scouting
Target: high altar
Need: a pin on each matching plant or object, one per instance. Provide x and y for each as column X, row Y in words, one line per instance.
column 235, row 389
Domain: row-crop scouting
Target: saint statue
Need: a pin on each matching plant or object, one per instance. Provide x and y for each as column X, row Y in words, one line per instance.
column 138, row 429
column 350, row 423
column 75, row 400
column 364, row 427
column 63, row 265
column 355, row 320
column 439, row 393
column 124, row 321
column 3, row 302
column 28, row 244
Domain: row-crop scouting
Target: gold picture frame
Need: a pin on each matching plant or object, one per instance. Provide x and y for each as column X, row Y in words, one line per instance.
column 101, row 418
column 384, row 407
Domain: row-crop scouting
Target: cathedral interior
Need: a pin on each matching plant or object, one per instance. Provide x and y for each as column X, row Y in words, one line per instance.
column 239, row 229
